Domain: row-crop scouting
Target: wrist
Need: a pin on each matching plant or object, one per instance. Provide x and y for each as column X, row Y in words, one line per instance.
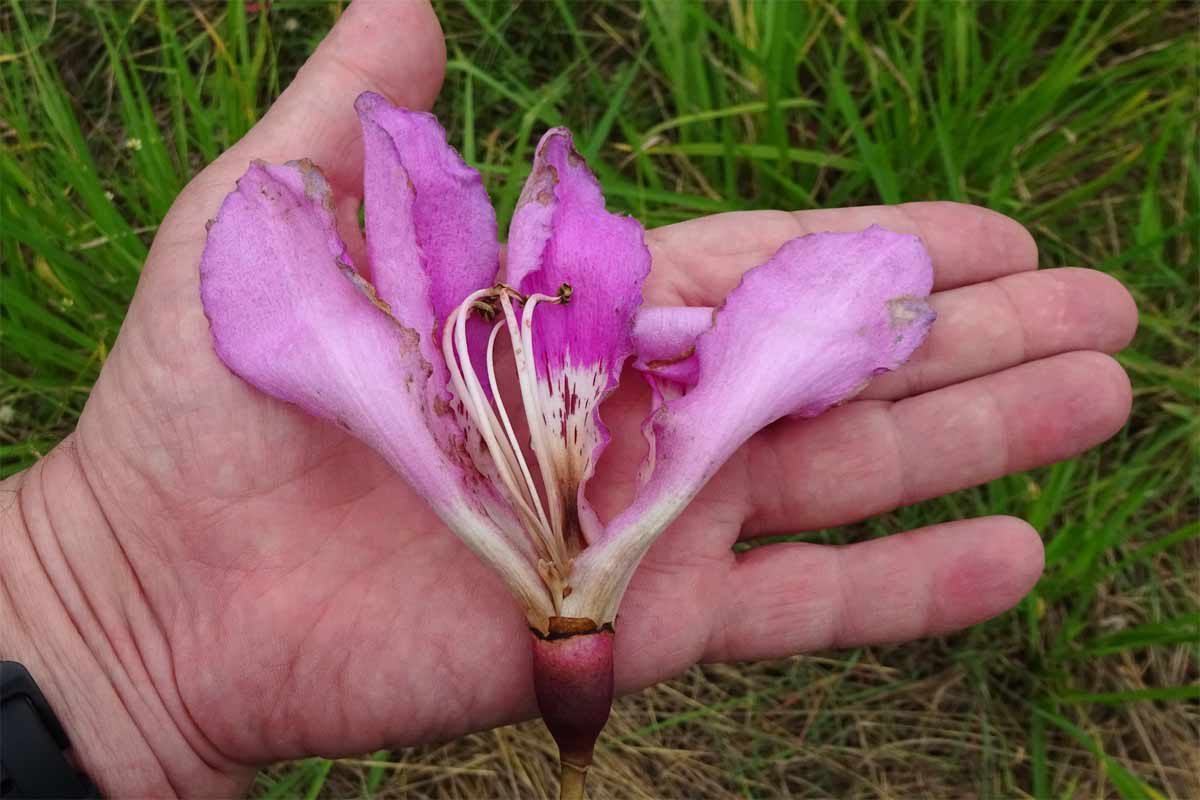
column 73, row 612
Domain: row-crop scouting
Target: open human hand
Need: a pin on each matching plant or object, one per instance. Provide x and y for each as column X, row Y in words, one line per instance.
column 243, row 583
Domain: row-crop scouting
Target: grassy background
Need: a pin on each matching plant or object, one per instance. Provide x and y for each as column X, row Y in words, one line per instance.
column 1078, row 119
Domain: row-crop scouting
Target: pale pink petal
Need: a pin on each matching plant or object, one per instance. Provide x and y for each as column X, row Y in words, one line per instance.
column 665, row 333
column 664, row 340
column 290, row 316
column 431, row 229
column 562, row 235
column 805, row 331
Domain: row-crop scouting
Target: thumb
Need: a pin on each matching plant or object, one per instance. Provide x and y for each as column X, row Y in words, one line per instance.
column 393, row 48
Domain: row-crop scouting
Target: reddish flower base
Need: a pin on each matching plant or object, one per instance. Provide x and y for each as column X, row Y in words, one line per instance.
column 573, row 679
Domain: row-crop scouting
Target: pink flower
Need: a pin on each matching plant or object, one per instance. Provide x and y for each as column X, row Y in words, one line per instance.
column 399, row 352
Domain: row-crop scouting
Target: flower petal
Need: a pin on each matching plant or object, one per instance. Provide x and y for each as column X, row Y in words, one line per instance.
column 561, row 234
column 804, row 331
column 431, row 238
column 664, row 339
column 431, row 229
column 667, row 333
column 290, row 316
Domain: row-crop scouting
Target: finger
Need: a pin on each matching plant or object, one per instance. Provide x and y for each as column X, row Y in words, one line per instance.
column 872, row 456
column 989, row 326
column 700, row 261
column 792, row 598
column 395, row 49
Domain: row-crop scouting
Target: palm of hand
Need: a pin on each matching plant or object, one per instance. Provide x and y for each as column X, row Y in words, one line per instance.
column 313, row 603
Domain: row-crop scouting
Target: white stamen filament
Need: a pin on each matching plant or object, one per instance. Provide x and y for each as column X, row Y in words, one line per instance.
column 513, row 454
column 512, row 437
column 496, row 427
column 522, row 342
column 467, row 387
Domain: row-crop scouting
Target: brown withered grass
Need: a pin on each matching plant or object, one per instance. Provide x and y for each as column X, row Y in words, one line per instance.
column 819, row 726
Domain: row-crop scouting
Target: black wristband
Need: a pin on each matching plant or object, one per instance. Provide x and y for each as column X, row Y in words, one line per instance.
column 32, row 744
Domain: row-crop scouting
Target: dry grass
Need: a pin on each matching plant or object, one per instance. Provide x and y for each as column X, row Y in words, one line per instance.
column 858, row 727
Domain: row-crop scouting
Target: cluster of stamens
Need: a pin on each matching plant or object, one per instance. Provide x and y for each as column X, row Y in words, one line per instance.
column 491, row 418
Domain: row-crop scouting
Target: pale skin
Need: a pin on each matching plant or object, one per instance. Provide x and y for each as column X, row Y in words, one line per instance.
column 204, row 579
